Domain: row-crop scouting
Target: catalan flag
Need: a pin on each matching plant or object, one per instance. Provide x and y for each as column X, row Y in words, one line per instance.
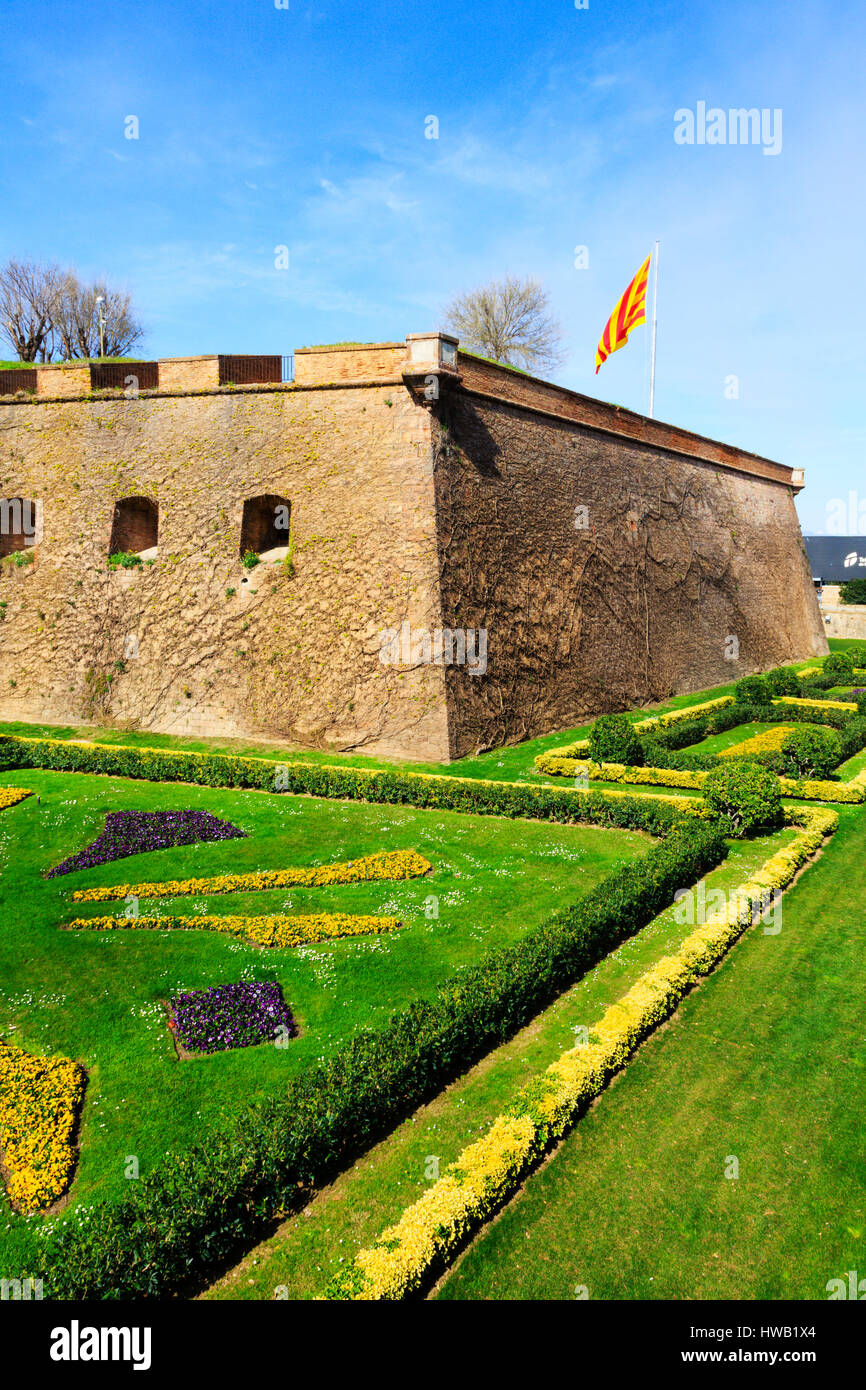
column 629, row 312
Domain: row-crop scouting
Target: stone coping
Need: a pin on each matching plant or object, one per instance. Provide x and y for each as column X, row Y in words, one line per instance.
column 352, row 347
column 255, row 388
column 752, row 464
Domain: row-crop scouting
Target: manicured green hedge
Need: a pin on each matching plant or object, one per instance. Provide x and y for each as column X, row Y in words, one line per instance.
column 513, row 799
column 682, row 735
column 784, row 680
column 812, row 686
column 810, row 752
column 667, row 749
column 839, row 664
column 201, row 1208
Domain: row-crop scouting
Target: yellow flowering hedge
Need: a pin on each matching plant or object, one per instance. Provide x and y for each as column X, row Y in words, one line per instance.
column 816, row 705
column 391, row 864
column 558, row 765
column 275, row 930
column 10, row 796
column 39, row 1101
column 682, row 716
column 644, row 776
column 852, row 793
column 488, row 1171
column 845, row 793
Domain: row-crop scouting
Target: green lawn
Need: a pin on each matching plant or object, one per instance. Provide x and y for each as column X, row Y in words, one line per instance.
column 765, row 1062
column 716, row 743
column 353, row 1210
column 96, row 997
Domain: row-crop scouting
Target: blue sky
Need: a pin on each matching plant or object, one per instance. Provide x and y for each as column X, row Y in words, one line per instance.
column 305, row 127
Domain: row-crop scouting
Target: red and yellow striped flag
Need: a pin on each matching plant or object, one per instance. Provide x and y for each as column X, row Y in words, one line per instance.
column 629, row 312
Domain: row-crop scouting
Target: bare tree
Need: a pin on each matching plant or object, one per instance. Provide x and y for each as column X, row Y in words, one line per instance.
column 29, row 292
column 45, row 309
column 509, row 320
column 77, row 320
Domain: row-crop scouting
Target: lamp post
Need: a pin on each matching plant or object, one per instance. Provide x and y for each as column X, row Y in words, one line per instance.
column 100, row 300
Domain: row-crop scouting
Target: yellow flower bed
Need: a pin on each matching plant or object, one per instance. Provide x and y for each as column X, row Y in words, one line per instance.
column 488, row 1170
column 809, row 671
column 482, row 1177
column 815, row 704
column 845, row 793
column 392, row 865
column 275, row 930
column 647, row 776
column 681, row 716
column 556, row 765
column 770, row 741
column 10, row 796
column 39, row 1100
column 852, row 793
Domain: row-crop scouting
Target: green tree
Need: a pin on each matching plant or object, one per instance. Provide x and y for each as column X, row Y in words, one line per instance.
column 744, row 797
column 612, row 739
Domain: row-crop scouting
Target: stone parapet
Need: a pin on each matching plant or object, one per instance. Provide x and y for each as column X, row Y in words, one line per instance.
column 355, row 362
column 63, row 381
column 189, row 373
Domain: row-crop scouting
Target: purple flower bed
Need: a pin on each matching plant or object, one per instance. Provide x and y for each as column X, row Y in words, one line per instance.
column 136, row 832
column 223, row 1016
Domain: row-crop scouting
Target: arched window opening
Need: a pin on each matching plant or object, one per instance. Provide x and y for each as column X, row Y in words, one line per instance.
column 135, row 528
column 266, row 524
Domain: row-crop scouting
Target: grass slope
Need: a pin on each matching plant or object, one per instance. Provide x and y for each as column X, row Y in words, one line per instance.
column 765, row 1062
column 308, row 1247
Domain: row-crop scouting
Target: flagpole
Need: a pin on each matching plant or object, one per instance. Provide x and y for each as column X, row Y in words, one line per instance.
column 654, row 328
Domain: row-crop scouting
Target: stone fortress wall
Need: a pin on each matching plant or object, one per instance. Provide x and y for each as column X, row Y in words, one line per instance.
column 609, row 560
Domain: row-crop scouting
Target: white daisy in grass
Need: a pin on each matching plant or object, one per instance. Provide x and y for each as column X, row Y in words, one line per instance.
column 453, row 897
